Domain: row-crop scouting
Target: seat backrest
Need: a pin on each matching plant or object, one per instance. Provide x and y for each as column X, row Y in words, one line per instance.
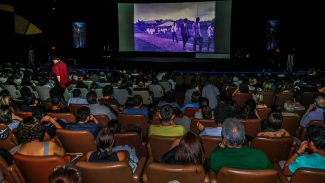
column 43, row 92
column 210, row 143
column 291, row 124
column 37, row 169
column 303, row 175
column 99, row 93
column 252, row 126
column 268, row 98
column 308, row 98
column 146, row 98
column 68, row 116
column 166, row 86
column 263, row 112
column 241, row 98
column 157, row 91
column 121, row 95
column 74, row 108
column 159, row 145
column 117, row 172
column 10, row 173
column 231, row 175
column 7, row 138
column 162, row 173
column 204, row 122
column 132, row 139
column 282, row 98
column 102, row 119
column 14, row 93
column 127, row 120
column 75, row 141
column 190, row 111
column 230, row 90
column 23, row 114
column 277, row 148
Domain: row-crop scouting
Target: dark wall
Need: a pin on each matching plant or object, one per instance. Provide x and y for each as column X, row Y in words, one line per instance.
column 249, row 18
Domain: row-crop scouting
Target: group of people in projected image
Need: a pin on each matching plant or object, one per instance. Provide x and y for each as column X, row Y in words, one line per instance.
column 185, row 35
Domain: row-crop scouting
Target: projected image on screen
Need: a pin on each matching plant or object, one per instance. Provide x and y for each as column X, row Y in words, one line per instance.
column 79, row 35
column 174, row 27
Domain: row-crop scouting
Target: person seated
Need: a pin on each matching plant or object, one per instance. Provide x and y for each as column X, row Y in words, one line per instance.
column 314, row 112
column 273, row 126
column 104, row 152
column 242, row 88
column 65, row 174
column 187, row 150
column 168, row 98
column 205, row 111
column 30, row 134
column 194, row 102
column 108, row 99
column 289, row 109
column 96, row 108
column 137, row 107
column 58, row 106
column 249, row 111
column 76, row 99
column 233, row 153
column 310, row 154
column 189, row 92
column 85, row 121
column 167, row 128
column 6, row 117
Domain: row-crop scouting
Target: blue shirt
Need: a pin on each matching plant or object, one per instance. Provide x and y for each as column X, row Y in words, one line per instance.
column 317, row 114
column 13, row 125
column 90, row 126
column 142, row 110
column 77, row 100
column 313, row 160
column 195, row 105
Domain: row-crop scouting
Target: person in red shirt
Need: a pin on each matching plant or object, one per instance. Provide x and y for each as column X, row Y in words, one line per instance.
column 60, row 70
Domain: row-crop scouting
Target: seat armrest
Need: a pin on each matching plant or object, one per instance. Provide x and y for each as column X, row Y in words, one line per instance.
column 213, row 176
column 144, row 175
column 280, row 173
column 207, row 178
column 139, row 170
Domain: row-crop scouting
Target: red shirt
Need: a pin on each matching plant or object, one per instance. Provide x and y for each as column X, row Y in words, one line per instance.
column 60, row 69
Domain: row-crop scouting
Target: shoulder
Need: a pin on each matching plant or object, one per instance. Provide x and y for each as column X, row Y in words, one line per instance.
column 122, row 155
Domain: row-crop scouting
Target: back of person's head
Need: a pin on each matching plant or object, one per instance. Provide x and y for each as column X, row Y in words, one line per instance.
column 190, row 150
column 320, row 101
column 37, row 113
column 25, row 92
column 53, row 92
column 104, row 143
column 55, row 100
column 108, row 90
column 114, row 125
column 91, row 97
column 289, row 106
column 93, row 85
column 195, row 97
column 5, row 100
column 243, row 88
column 137, row 100
column 316, row 134
column 249, row 109
column 30, row 129
column 5, row 114
column 65, row 174
column 205, row 108
column 233, row 131
column 4, row 92
column 166, row 113
column 203, row 102
column 76, row 93
column 82, row 113
column 274, row 121
column 169, row 97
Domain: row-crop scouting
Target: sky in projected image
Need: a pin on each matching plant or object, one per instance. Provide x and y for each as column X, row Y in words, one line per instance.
column 160, row 27
column 174, row 11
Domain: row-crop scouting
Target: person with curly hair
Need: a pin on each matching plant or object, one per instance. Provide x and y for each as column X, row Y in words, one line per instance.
column 65, row 174
column 30, row 134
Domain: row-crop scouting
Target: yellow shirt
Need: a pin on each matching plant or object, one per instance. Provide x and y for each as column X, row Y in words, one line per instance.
column 168, row 131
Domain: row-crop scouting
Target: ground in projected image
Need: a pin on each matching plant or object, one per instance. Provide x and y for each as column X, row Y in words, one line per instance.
column 174, row 27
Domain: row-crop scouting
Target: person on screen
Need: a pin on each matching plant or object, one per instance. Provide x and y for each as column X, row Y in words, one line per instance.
column 174, row 31
column 210, row 35
column 197, row 34
column 184, row 33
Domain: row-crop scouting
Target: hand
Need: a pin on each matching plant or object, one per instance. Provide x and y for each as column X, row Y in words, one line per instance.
column 200, row 126
column 311, row 107
column 303, row 147
column 46, row 118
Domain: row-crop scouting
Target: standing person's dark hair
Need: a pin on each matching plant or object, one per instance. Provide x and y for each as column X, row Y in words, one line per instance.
column 60, row 71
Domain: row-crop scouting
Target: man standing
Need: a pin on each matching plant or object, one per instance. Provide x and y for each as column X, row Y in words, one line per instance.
column 60, row 70
column 197, row 34
column 174, row 32
column 210, row 35
column 184, row 32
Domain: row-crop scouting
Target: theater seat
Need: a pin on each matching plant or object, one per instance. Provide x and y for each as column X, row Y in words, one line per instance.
column 117, row 172
column 163, row 173
column 10, row 173
column 132, row 139
column 210, row 143
column 68, row 116
column 231, row 175
column 37, row 169
column 7, row 138
column 23, row 114
column 159, row 145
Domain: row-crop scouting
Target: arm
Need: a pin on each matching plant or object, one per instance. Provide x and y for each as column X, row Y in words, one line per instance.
column 52, row 120
column 300, row 151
